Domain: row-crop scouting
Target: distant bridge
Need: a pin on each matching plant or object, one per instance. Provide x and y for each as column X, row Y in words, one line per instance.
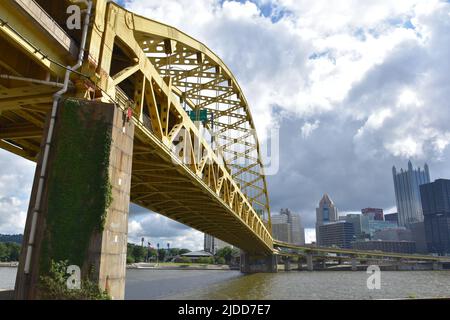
column 363, row 254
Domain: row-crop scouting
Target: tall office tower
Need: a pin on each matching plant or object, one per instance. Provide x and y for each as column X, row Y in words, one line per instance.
column 297, row 230
column 340, row 234
column 436, row 210
column 407, row 193
column 212, row 244
column 287, row 227
column 373, row 213
column 325, row 213
column 209, row 244
column 281, row 231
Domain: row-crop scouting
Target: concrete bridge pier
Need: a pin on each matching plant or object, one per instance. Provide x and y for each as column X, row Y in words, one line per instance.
column 322, row 264
column 82, row 217
column 253, row 263
column 301, row 260
column 309, row 262
column 438, row 266
column 354, row 264
column 287, row 264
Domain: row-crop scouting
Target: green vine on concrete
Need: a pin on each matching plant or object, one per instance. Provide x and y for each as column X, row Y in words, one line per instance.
column 108, row 201
column 79, row 188
column 53, row 286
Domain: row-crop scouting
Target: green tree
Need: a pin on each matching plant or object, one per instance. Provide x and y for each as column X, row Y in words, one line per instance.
column 220, row 260
column 9, row 251
column 226, row 253
column 130, row 259
column 206, row 260
column 13, row 251
column 184, row 260
column 161, row 254
column 139, row 253
column 3, row 252
column 53, row 286
column 183, row 251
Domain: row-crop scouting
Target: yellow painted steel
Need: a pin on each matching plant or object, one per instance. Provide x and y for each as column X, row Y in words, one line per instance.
column 356, row 253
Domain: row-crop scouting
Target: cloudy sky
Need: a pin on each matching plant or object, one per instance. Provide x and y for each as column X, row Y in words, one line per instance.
column 354, row 86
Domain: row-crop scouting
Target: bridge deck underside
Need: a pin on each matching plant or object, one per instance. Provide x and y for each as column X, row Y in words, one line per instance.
column 165, row 187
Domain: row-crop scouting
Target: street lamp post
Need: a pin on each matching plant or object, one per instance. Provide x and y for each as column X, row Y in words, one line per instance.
column 148, row 251
column 168, row 251
column 157, row 254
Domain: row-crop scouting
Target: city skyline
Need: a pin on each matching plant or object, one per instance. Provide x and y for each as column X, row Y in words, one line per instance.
column 341, row 131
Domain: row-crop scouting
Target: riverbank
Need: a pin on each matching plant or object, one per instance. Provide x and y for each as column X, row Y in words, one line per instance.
column 6, row 294
column 9, row 264
column 177, row 266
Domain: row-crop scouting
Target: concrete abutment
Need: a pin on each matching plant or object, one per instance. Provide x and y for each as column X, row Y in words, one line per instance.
column 83, row 216
column 251, row 263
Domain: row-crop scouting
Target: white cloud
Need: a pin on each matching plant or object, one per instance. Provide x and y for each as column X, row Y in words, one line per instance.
column 156, row 228
column 308, row 128
column 310, row 235
column 16, row 177
column 12, row 215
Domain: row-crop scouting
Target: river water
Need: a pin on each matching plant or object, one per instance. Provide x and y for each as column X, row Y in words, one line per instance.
column 210, row 284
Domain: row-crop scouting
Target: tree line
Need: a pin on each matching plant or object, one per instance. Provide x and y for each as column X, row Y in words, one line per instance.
column 9, row 251
column 137, row 253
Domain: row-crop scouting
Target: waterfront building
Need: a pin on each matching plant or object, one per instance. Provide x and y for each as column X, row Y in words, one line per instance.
column 373, row 213
column 375, row 225
column 287, row 227
column 393, row 234
column 339, row 234
column 196, row 255
column 360, row 224
column 325, row 213
column 419, row 237
column 408, row 247
column 407, row 193
column 435, row 198
column 392, row 217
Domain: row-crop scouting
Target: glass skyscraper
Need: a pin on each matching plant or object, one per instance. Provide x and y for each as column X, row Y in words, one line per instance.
column 287, row 227
column 436, row 209
column 407, row 193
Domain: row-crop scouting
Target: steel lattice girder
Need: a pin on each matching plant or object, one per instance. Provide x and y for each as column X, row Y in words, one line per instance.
column 161, row 121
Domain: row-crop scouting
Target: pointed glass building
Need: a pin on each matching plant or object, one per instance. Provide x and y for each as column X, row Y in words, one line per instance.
column 326, row 213
column 407, row 193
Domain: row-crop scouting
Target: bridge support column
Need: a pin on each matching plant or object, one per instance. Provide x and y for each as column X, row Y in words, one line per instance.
column 287, row 264
column 258, row 263
column 437, row 266
column 300, row 263
column 83, row 216
column 354, row 265
column 309, row 262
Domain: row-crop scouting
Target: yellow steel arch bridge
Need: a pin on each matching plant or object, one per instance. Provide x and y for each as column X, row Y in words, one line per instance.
column 195, row 154
column 173, row 81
